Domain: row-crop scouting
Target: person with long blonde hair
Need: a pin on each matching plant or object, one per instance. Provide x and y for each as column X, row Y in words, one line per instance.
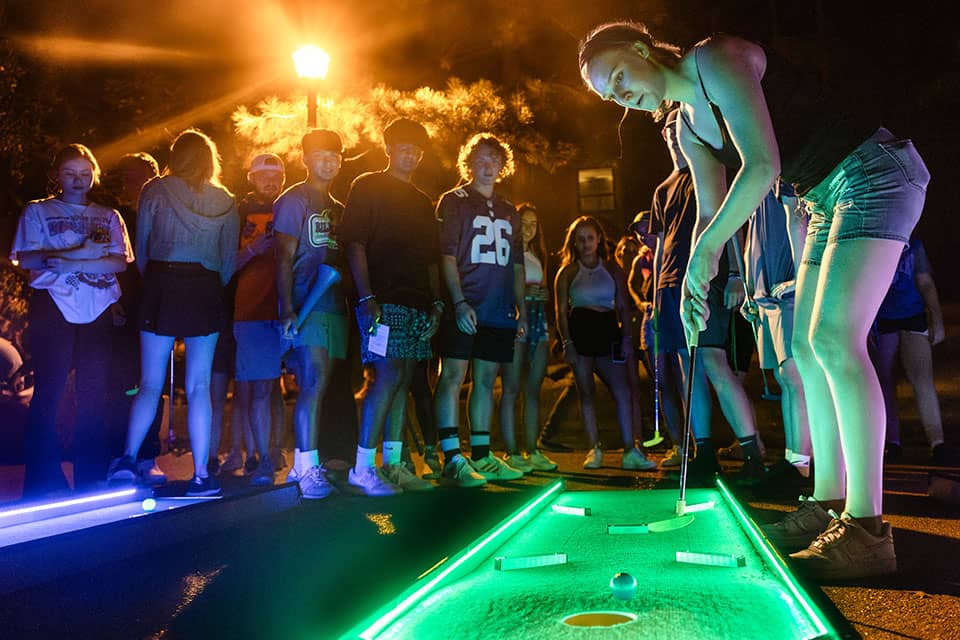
column 592, row 309
column 187, row 234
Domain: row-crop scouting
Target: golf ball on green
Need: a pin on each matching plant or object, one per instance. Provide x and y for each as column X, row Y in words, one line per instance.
column 623, row 586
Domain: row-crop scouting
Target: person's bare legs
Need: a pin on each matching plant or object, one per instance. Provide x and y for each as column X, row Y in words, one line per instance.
column 616, row 377
column 586, row 394
column 199, row 352
column 511, row 374
column 219, row 383
column 480, row 403
column 313, row 367
column 917, row 358
column 793, row 405
column 830, row 478
column 732, row 396
column 154, row 364
column 853, row 281
column 885, row 361
column 536, row 372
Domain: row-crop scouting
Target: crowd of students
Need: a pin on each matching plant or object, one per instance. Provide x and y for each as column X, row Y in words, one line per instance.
column 292, row 277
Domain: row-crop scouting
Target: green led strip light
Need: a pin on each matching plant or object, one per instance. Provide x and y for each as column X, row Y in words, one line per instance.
column 406, row 600
column 753, row 532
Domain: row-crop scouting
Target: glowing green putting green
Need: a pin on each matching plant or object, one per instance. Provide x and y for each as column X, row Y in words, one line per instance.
column 673, row 600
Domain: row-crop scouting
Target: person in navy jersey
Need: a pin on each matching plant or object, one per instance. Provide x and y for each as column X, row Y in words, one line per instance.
column 482, row 270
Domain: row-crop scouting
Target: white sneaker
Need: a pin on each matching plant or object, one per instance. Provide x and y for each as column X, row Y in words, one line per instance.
column 496, row 470
column 540, row 462
column 313, row 482
column 371, row 481
column 635, row 460
column 594, row 459
column 518, row 462
column 673, row 459
column 401, row 476
column 458, row 472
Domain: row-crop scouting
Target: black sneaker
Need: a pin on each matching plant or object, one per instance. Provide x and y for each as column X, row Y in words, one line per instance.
column 783, row 480
column 213, row 466
column 122, row 471
column 702, row 469
column 548, row 442
column 200, row 487
column 251, row 465
column 944, row 455
column 751, row 474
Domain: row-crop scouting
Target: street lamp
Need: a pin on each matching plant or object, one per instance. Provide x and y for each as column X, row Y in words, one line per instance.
column 312, row 64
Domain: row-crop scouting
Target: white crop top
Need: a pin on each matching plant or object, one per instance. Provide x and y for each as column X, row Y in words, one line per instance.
column 532, row 267
column 593, row 288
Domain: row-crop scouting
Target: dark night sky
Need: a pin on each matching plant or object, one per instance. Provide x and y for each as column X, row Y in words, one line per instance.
column 899, row 60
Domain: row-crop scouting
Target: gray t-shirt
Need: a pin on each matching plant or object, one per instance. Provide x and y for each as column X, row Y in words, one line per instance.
column 312, row 217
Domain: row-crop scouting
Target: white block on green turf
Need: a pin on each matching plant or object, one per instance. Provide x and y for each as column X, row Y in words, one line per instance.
column 571, row 511
column 529, row 562
column 712, row 559
column 627, row 529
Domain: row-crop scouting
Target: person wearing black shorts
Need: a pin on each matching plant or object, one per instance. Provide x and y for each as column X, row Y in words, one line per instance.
column 186, row 246
column 482, row 268
column 593, row 321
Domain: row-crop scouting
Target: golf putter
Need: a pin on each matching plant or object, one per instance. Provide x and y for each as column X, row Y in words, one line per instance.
column 657, row 438
column 687, row 423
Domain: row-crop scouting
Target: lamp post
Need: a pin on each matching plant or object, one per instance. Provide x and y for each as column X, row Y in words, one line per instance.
column 312, row 64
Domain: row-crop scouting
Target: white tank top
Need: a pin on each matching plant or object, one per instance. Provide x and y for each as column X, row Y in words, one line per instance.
column 593, row 288
column 532, row 267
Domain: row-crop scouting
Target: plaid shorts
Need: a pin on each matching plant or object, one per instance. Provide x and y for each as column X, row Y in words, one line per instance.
column 406, row 326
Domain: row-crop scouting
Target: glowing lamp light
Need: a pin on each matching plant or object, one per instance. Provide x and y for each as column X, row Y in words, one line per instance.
column 311, row 62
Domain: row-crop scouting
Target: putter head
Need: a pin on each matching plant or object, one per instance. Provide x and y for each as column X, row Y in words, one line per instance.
column 654, row 441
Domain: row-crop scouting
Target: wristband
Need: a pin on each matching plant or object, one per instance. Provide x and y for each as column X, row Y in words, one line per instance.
column 438, row 304
column 366, row 298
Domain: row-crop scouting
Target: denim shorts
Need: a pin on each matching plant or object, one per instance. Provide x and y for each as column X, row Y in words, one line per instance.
column 875, row 192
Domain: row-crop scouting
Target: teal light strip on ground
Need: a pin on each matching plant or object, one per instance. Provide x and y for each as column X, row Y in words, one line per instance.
column 817, row 617
column 414, row 594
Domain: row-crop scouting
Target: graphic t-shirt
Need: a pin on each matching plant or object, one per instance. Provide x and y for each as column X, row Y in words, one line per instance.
column 395, row 222
column 256, row 295
column 479, row 233
column 52, row 224
column 313, row 217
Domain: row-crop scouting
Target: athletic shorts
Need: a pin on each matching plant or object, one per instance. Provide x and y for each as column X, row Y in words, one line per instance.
column 322, row 329
column 493, row 344
column 595, row 334
column 914, row 324
column 775, row 331
column 258, row 350
column 406, row 328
